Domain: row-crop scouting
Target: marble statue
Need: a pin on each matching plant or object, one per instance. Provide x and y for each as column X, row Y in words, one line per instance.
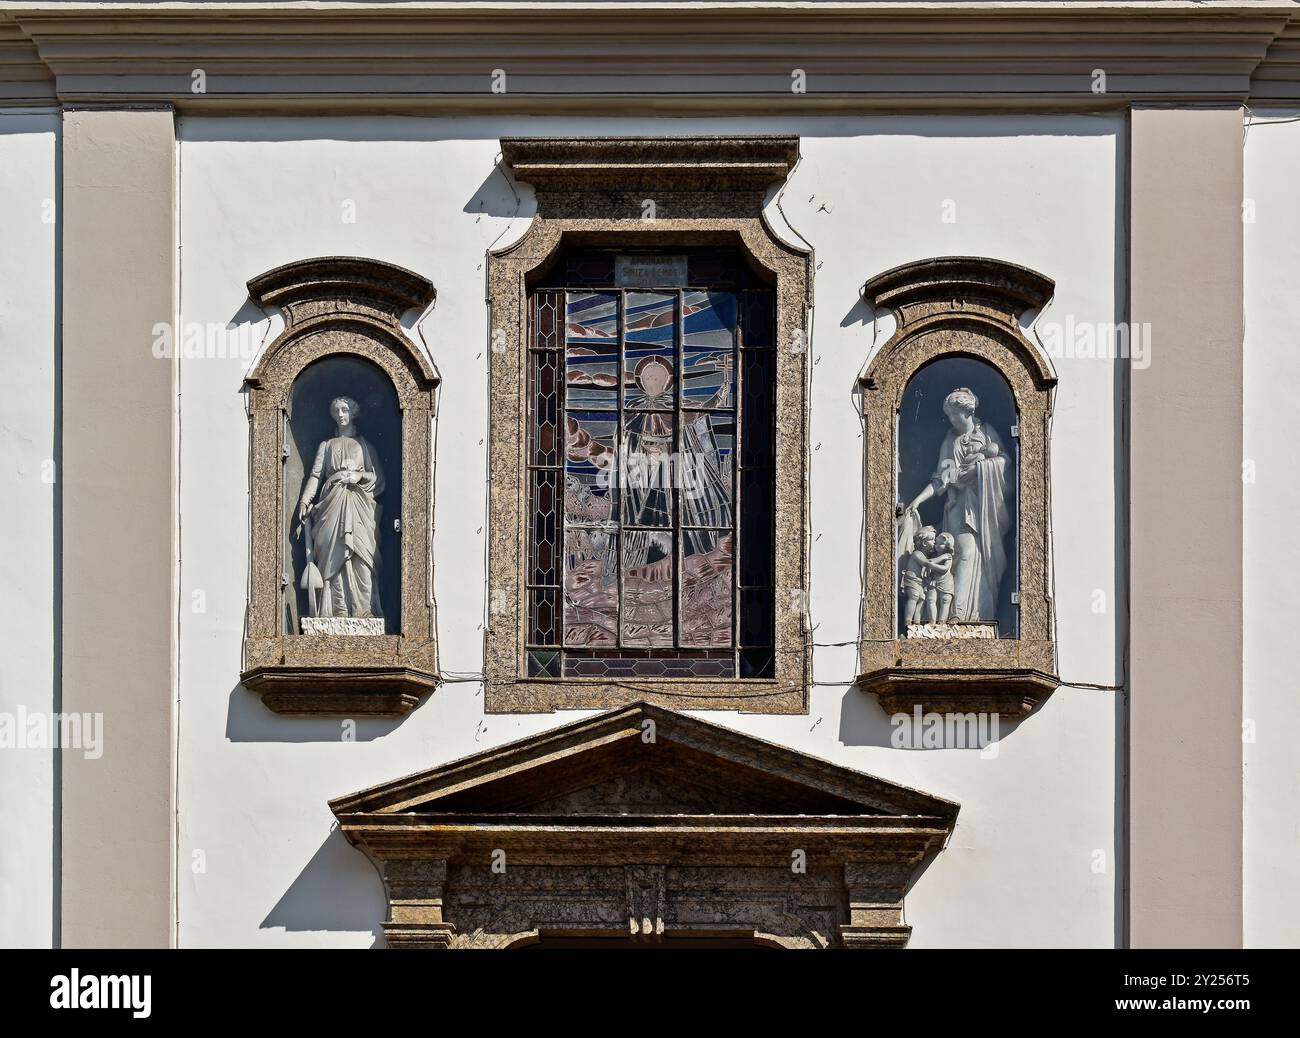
column 972, row 479
column 939, row 584
column 339, row 518
column 922, row 566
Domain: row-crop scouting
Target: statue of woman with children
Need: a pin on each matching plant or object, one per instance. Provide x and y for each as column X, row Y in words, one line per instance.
column 964, row 560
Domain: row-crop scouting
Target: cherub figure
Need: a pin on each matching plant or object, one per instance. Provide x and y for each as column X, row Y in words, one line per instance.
column 916, row 568
column 938, row 582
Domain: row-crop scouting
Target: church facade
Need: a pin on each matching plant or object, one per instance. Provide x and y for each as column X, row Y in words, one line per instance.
column 694, row 475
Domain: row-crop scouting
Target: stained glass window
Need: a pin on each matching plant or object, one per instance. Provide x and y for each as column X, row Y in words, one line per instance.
column 651, row 469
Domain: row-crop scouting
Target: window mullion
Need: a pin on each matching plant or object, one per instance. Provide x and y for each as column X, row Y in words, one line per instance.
column 737, row 460
column 620, row 456
column 679, row 378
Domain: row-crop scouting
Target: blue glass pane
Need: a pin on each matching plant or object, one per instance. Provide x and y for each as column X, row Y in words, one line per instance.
column 650, row 351
column 591, row 350
column 708, row 349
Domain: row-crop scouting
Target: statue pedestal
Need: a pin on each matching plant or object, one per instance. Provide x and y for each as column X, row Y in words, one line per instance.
column 371, row 625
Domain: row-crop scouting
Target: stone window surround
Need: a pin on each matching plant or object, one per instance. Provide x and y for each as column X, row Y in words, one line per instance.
column 958, row 306
column 340, row 306
column 707, row 191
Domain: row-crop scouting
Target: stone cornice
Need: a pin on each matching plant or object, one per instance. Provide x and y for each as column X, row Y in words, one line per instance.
column 688, row 163
column 691, row 839
column 424, row 792
column 1277, row 79
column 384, row 286
column 24, row 79
column 1005, row 285
column 615, row 58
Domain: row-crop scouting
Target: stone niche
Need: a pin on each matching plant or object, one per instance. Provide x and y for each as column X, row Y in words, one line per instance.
column 647, row 826
column 957, row 408
column 341, row 614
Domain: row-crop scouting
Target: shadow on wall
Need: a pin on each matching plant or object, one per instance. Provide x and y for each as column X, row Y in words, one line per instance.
column 863, row 722
column 500, row 195
column 338, row 890
column 861, row 313
column 247, row 720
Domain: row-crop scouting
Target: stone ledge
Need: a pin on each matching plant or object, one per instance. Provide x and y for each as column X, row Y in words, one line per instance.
column 1009, row 692
column 314, row 691
column 875, row 936
column 672, row 163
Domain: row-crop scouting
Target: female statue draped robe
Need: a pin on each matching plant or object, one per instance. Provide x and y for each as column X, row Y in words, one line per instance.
column 972, row 479
column 344, row 523
column 975, row 512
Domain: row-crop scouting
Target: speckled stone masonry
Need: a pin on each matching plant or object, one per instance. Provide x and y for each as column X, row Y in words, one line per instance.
column 970, row 306
column 340, row 306
column 691, row 832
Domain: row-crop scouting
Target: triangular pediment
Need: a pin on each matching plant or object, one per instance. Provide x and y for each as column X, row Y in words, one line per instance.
column 642, row 760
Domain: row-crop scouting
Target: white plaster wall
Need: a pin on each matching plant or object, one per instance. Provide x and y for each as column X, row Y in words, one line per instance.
column 1271, row 494
column 27, row 574
column 1033, row 860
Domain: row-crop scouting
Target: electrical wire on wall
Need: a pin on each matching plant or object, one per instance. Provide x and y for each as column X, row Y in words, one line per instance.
column 809, row 626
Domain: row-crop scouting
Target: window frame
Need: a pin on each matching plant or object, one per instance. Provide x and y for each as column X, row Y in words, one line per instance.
column 708, row 192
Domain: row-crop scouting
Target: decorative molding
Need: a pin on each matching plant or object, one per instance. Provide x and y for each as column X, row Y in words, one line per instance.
column 645, row 823
column 346, row 283
column 24, row 77
column 593, row 196
column 958, row 305
column 1276, row 80
column 678, row 163
column 666, row 57
column 334, row 306
column 913, row 289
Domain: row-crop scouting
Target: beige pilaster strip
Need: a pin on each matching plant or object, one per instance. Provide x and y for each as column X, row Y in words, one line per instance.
column 119, row 249
column 1185, row 812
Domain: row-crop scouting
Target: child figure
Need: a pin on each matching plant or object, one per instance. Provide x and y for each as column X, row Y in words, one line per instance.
column 915, row 570
column 938, row 582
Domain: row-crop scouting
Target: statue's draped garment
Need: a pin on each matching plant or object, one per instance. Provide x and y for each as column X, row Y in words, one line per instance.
column 974, row 491
column 345, row 526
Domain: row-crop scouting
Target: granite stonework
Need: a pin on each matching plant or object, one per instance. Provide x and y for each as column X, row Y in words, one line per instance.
column 340, row 306
column 947, row 306
column 649, row 825
column 591, row 192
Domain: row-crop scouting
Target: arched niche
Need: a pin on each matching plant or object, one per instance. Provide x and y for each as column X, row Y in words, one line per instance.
column 349, row 377
column 343, row 340
column 958, row 427
column 958, row 401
